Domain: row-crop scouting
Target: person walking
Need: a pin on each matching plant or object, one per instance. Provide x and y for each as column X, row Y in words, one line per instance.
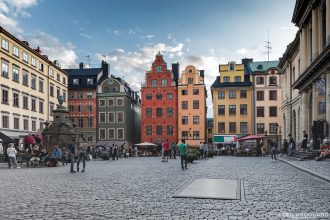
column 292, row 145
column 305, row 140
column 82, row 153
column 285, row 147
column 201, row 151
column 12, row 152
column 173, row 149
column 206, row 150
column 273, row 150
column 72, row 153
column 166, row 148
column 183, row 154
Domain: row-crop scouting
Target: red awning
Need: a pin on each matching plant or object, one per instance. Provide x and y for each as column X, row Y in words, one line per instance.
column 28, row 139
column 251, row 137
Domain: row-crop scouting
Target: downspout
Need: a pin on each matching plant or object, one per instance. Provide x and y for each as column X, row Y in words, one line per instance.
column 290, row 98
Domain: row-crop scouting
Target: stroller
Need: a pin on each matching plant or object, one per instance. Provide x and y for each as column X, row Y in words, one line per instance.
column 34, row 162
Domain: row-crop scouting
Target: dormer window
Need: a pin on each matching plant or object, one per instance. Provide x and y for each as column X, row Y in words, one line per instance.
column 159, row 69
column 90, row 81
column 75, row 81
column 231, row 66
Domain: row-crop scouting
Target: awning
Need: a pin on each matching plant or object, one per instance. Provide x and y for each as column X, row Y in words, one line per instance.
column 5, row 138
column 251, row 137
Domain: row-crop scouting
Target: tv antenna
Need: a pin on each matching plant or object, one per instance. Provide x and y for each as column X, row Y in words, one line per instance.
column 268, row 45
column 88, row 61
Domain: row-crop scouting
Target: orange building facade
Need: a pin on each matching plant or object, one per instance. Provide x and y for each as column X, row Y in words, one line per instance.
column 192, row 106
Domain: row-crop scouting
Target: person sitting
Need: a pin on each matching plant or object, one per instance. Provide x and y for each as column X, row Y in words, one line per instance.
column 325, row 152
column 57, row 154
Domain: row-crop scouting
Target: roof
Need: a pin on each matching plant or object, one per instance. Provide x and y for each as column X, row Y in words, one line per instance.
column 218, row 84
column 263, row 66
column 83, row 72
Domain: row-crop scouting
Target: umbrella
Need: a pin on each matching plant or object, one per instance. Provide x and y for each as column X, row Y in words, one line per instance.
column 145, row 144
column 28, row 139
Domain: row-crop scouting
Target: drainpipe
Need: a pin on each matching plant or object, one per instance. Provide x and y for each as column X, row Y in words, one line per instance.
column 290, row 98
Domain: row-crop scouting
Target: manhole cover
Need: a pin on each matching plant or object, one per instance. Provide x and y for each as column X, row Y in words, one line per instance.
column 211, row 189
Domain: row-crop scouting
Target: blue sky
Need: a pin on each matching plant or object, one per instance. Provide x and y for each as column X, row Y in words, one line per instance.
column 128, row 33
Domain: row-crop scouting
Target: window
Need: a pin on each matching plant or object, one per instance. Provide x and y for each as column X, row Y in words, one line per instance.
column 5, row 44
column 89, row 107
column 4, row 96
column 272, row 80
column 33, row 105
column 15, row 99
column 154, row 83
column 120, row 102
column 169, row 129
column 196, row 91
column 25, row 78
column 34, row 126
column 102, row 102
column 232, row 127
column 15, row 74
column 260, row 128
column 25, row 57
column 159, row 130
column 322, row 107
column 190, row 80
column 196, row 135
column 272, row 95
column 4, row 69
column 75, row 81
column 184, row 135
column 184, row 92
column 80, row 122
column 243, row 109
column 33, row 61
column 272, row 111
column 89, row 138
column 260, row 111
column 164, row 82
column 58, row 92
column 51, row 90
column 184, row 104
column 25, row 102
column 221, row 127
column 159, row 69
column 41, row 67
column 80, row 108
column 111, row 133
column 159, row 96
column 120, row 133
column 226, row 79
column 80, row 95
column 33, row 82
column 149, row 112
column 260, row 96
column 243, row 127
column 41, row 85
column 221, row 110
column 90, row 81
column 16, row 123
column 237, row 79
column 102, row 117
column 5, row 121
column 159, row 112
column 51, row 108
column 148, row 130
column 221, row 94
column 148, row 96
column 89, row 95
column 169, row 112
column 196, row 104
column 184, row 120
column 232, row 66
column 114, row 89
column 102, row 133
column 71, row 108
column 232, row 109
column 15, row 51
column 120, row 117
column 169, row 96
column 260, row 80
column 41, row 107
column 111, row 102
column 64, row 80
column 196, row 120
column 111, row 117
column 58, row 76
column 243, row 94
column 25, row 124
column 232, row 94
column 273, row 128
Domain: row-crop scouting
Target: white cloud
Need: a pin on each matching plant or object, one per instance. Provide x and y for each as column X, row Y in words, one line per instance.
column 149, row 36
column 258, row 53
column 86, row 35
column 290, row 27
column 10, row 24
column 21, row 4
column 131, row 32
column 3, row 7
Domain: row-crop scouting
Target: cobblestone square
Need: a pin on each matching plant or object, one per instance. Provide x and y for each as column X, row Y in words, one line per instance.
column 142, row 188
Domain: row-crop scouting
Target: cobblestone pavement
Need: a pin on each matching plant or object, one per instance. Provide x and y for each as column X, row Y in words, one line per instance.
column 142, row 188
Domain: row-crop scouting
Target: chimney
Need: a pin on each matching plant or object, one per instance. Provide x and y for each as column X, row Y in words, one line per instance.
column 201, row 73
column 38, row 50
column 105, row 68
column 246, row 61
column 81, row 65
column 175, row 71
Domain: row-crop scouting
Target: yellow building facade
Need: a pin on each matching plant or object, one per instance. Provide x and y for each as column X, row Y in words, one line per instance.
column 29, row 87
column 232, row 104
column 192, row 106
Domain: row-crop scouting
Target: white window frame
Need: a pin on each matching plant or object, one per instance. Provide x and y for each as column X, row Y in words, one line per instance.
column 5, row 44
column 15, row 72
column 26, row 57
column 15, row 51
column 117, row 116
column 114, row 133
column 114, row 117
column 15, row 117
column 105, row 133
column 34, row 128
column 33, row 61
column 105, row 117
column 4, row 69
column 118, row 133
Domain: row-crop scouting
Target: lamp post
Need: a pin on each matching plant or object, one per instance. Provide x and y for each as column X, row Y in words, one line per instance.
column 276, row 129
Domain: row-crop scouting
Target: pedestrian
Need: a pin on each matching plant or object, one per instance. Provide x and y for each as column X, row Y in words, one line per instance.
column 273, row 150
column 12, row 152
column 285, row 147
column 206, row 150
column 201, row 150
column 1, row 147
column 173, row 149
column 82, row 153
column 304, row 142
column 166, row 148
column 183, row 154
column 115, row 152
column 72, row 151
column 292, row 145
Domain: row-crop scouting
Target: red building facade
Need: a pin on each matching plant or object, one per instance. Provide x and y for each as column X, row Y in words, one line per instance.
column 159, row 116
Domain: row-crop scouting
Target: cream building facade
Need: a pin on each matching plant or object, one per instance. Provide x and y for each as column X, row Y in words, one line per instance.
column 29, row 87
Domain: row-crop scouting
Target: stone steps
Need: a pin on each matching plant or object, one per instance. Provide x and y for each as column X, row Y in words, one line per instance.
column 305, row 155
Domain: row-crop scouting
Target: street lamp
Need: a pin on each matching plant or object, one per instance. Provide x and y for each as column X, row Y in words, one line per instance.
column 276, row 129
